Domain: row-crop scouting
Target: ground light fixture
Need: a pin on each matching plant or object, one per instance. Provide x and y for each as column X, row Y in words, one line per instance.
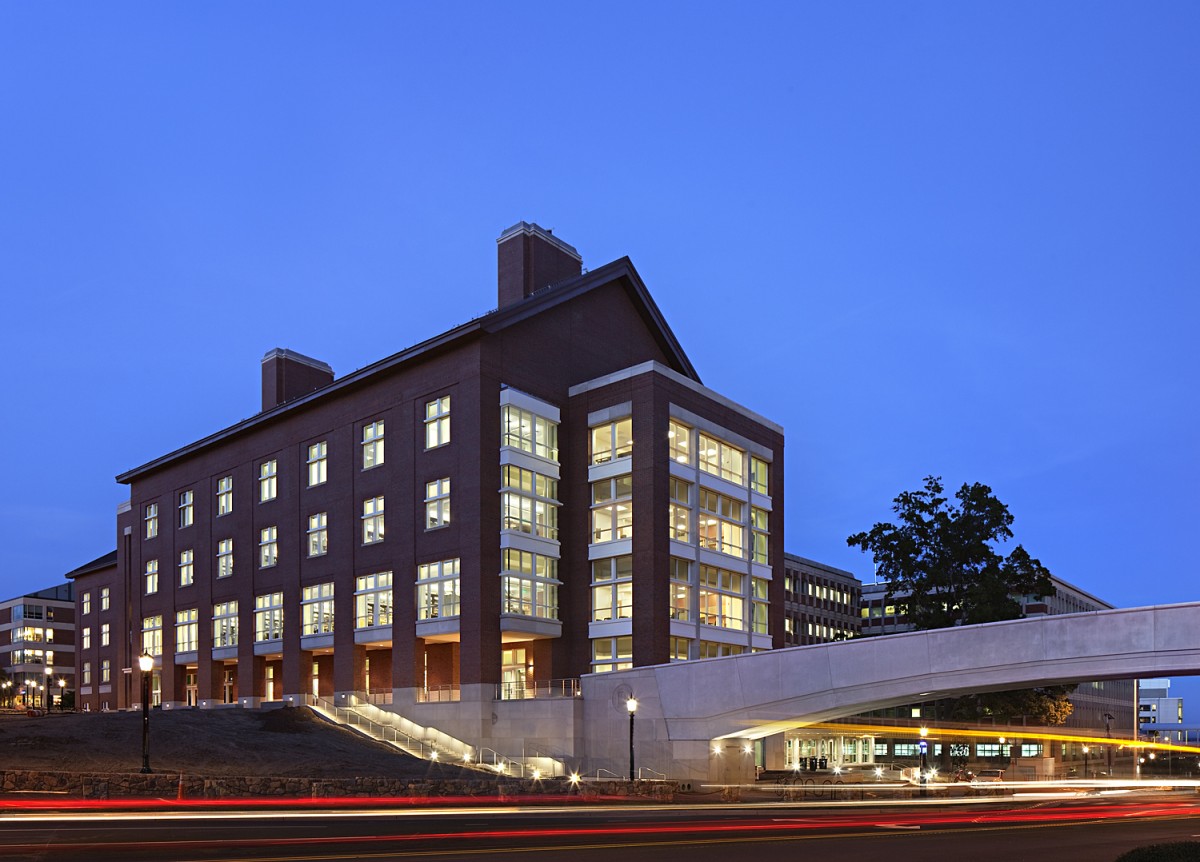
column 632, row 706
column 146, row 665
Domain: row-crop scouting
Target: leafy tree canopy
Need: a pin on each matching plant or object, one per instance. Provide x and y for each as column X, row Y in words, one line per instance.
column 939, row 561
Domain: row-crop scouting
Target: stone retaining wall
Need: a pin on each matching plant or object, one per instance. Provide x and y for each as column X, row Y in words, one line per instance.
column 162, row 785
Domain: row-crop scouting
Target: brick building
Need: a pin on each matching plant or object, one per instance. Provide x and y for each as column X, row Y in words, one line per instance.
column 37, row 648
column 821, row 602
column 543, row 492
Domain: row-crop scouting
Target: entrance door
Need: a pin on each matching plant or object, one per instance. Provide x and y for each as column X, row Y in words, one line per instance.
column 191, row 691
column 513, row 674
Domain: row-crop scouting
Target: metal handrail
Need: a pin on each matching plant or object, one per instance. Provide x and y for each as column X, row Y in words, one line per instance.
column 439, row 694
column 544, row 688
column 661, row 776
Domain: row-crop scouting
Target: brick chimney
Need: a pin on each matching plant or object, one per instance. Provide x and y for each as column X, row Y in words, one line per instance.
column 530, row 257
column 286, row 375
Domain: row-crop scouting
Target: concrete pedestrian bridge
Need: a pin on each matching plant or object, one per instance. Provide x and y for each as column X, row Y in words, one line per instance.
column 690, row 712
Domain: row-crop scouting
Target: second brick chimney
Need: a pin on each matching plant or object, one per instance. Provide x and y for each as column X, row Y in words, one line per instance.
column 529, row 258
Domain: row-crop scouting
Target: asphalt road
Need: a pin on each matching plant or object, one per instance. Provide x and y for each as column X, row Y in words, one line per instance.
column 1095, row 829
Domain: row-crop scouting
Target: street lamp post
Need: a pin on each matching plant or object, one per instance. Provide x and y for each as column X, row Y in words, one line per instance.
column 146, row 663
column 924, row 746
column 1108, row 718
column 62, row 694
column 48, row 697
column 1085, row 762
column 632, row 706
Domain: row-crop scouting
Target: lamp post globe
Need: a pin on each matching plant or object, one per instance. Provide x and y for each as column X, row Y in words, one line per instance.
column 146, row 665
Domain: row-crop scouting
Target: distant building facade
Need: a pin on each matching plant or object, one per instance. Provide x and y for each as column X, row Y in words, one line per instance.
column 821, row 603
column 37, row 648
column 1159, row 713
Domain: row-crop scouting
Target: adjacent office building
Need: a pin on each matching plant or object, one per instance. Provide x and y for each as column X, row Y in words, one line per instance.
column 821, row 602
column 37, row 648
column 546, row 491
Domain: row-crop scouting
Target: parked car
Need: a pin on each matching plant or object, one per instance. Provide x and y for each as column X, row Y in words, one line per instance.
column 989, row 775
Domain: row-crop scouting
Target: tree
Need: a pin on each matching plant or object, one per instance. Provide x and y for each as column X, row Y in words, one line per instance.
column 940, row 564
column 942, row 570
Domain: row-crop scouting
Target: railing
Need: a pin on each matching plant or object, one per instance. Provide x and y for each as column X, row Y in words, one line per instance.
column 438, row 694
column 426, row 743
column 660, row 776
column 611, row 774
column 546, row 688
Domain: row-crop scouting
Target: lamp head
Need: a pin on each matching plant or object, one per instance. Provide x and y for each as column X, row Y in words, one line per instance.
column 146, row 662
column 631, row 705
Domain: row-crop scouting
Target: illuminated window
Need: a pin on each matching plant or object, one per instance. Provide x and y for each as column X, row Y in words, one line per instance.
column 609, row 654
column 722, row 602
column 721, row 459
column 679, row 648
column 437, row 503
column 529, row 584
column 720, row 524
column 372, row 445
column 528, row 432
column 85, row 601
column 372, row 520
column 185, row 508
column 527, row 502
column 151, row 519
column 759, row 475
column 612, row 588
column 679, row 442
column 225, row 624
column 437, row 422
column 224, row 495
column 268, row 617
column 186, row 568
column 373, row 600
column 104, row 634
column 152, row 634
column 612, row 440
column 151, row 577
column 105, row 671
column 224, row 558
column 437, row 590
column 186, row 630
column 316, row 608
column 87, row 637
column 318, row 534
column 760, row 536
column 268, row 547
column 104, row 598
column 713, row 649
column 759, row 595
column 612, row 509
column 681, row 589
column 679, row 514
column 268, row 485
column 87, row 673
column 318, row 470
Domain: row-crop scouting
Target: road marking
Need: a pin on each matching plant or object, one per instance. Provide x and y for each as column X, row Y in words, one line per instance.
column 895, row 826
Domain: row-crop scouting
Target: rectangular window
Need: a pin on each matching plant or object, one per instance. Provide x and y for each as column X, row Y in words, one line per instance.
column 186, row 630
column 437, row 590
column 527, row 502
column 268, row 485
column 679, row 649
column 105, row 671
column 152, row 634
column 318, row 534
column 759, row 519
column 679, row 442
column 225, row 558
column 609, row 654
column 529, row 584
column 87, row 673
column 372, row 520
column 679, row 514
column 721, row 459
column 437, row 503
column 373, row 600
column 528, row 432
column 612, row 509
column 437, row 422
column 85, row 601
column 185, row 508
column 612, row 440
column 317, row 467
column 316, row 608
column 720, row 524
column 151, row 577
column 612, row 588
column 268, row 617
column 759, row 595
column 681, row 589
column 186, row 569
column 759, row 472
column 722, row 602
column 104, row 634
column 151, row 518
column 225, row 624
column 268, row 547
column 224, row 495
column 87, row 637
column 372, row 445
column 104, row 598
column 712, row 649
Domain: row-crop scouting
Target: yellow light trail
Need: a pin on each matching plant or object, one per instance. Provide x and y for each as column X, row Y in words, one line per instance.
column 947, row 733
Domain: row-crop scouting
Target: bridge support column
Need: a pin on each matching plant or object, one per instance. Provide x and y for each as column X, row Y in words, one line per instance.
column 730, row 763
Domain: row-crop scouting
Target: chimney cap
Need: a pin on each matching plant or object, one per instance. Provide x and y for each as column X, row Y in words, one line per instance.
column 533, row 229
column 284, row 353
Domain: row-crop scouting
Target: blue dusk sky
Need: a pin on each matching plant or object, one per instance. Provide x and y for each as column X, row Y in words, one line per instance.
column 926, row 238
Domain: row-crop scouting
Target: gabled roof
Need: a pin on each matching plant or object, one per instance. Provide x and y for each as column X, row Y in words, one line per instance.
column 620, row 270
column 108, row 560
